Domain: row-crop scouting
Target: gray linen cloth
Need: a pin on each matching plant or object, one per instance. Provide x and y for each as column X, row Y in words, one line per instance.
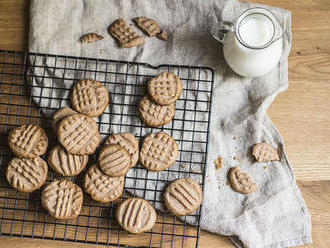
column 273, row 216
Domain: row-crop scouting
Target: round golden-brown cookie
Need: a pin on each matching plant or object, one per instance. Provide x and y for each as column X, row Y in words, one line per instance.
column 159, row 151
column 28, row 141
column 63, row 199
column 102, row 187
column 165, row 88
column 128, row 141
column 65, row 163
column 183, row 196
column 114, row 160
column 27, row 175
column 136, row 215
column 153, row 114
column 241, row 181
column 89, row 97
column 60, row 115
column 79, row 134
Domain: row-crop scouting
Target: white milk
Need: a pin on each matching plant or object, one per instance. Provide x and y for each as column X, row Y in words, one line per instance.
column 255, row 31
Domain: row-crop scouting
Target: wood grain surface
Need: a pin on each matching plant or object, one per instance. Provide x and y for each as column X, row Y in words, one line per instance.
column 302, row 113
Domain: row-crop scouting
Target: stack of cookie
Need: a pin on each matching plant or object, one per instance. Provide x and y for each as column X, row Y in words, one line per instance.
column 27, row 172
column 158, row 107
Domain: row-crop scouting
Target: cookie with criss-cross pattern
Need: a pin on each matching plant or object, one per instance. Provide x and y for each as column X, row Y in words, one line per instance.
column 183, row 196
column 136, row 215
column 79, row 134
column 28, row 141
column 27, row 175
column 65, row 163
column 124, row 34
column 165, row 88
column 89, row 97
column 153, row 114
column 128, row 141
column 149, row 26
column 241, row 181
column 63, row 199
column 264, row 152
column 159, row 151
column 102, row 187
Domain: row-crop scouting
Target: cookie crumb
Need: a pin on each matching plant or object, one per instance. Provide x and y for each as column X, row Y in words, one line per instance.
column 218, row 187
column 234, row 137
column 218, row 163
column 236, row 158
column 162, row 35
column 228, row 183
column 265, row 167
column 183, row 166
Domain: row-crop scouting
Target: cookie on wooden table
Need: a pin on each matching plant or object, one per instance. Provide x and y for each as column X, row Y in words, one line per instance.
column 102, row 187
column 264, row 152
column 165, row 88
column 90, row 38
column 128, row 141
column 63, row 199
column 114, row 160
column 65, row 163
column 153, row 114
column 158, row 152
column 124, row 34
column 183, row 196
column 79, row 134
column 241, row 181
column 28, row 141
column 149, row 26
column 26, row 175
column 136, row 215
column 60, row 115
column 89, row 97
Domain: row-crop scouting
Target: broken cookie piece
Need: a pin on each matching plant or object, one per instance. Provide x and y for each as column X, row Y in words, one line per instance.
column 149, row 26
column 90, row 37
column 264, row 152
column 218, row 163
column 241, row 181
column 162, row 35
column 124, row 34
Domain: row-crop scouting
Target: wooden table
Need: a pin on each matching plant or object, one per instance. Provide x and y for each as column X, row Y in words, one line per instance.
column 302, row 113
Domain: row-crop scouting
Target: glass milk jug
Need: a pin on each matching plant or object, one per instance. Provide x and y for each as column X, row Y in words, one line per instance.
column 252, row 44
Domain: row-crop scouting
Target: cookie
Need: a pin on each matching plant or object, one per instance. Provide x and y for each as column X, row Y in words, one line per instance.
column 89, row 97
column 136, row 215
column 27, row 175
column 90, row 37
column 165, row 88
column 124, row 34
column 149, row 26
column 79, row 134
column 28, row 141
column 183, row 196
column 264, row 152
column 162, row 35
column 153, row 114
column 60, row 115
column 129, row 142
column 65, row 163
column 62, row 199
column 241, row 181
column 114, row 160
column 101, row 187
column 158, row 152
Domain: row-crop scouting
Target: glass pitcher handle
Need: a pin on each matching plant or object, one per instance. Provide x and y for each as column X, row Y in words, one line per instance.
column 219, row 30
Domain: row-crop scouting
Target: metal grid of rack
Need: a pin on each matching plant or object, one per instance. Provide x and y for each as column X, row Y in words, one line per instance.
column 33, row 86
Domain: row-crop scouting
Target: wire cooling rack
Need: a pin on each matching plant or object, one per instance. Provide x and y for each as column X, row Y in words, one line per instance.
column 28, row 80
